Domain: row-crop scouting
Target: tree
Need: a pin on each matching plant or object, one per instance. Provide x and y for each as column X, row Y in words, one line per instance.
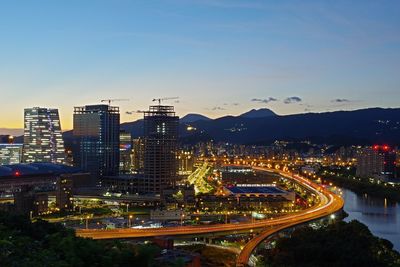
column 339, row 244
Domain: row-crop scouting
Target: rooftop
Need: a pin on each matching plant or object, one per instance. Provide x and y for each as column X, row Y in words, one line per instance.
column 255, row 190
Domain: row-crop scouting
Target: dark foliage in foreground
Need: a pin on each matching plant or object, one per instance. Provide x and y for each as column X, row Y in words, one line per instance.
column 23, row 243
column 339, row 244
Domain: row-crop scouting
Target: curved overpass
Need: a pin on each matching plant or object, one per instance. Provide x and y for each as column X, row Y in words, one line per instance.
column 329, row 203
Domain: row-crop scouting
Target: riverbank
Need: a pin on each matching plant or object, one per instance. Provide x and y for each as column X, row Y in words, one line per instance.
column 345, row 178
column 381, row 216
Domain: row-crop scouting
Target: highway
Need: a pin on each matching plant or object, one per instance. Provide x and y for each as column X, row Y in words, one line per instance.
column 329, row 203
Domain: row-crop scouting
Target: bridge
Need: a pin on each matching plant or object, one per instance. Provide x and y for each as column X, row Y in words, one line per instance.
column 329, row 203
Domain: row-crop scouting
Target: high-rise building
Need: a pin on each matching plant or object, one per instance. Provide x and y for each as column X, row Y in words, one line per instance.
column 138, row 155
column 376, row 162
column 10, row 154
column 160, row 148
column 125, row 151
column 43, row 141
column 96, row 128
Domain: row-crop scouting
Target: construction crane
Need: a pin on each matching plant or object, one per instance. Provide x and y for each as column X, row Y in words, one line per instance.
column 113, row 100
column 162, row 99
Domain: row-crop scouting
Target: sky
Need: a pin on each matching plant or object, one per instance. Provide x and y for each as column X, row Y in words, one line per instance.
column 218, row 56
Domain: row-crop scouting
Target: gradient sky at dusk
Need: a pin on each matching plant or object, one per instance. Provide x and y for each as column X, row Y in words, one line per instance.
column 220, row 57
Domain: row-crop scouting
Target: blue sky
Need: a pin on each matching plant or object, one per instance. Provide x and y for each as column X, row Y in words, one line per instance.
column 219, row 56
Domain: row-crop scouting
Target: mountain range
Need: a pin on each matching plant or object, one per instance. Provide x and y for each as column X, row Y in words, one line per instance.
column 364, row 126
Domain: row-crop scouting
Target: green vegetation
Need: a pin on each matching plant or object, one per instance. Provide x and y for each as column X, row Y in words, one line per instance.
column 23, row 243
column 346, row 178
column 339, row 244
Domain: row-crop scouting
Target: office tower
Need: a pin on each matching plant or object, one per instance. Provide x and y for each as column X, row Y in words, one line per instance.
column 96, row 129
column 138, row 155
column 10, row 154
column 43, row 141
column 160, row 147
column 376, row 162
column 125, row 151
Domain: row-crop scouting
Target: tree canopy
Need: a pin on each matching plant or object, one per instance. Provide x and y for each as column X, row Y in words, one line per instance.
column 23, row 243
column 339, row 244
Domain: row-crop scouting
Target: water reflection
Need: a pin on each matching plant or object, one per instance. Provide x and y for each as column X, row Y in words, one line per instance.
column 380, row 215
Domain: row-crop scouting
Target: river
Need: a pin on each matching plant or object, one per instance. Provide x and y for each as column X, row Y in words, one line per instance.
column 381, row 216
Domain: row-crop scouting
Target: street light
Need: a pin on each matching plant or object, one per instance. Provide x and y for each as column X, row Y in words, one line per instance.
column 226, row 217
column 129, row 221
column 182, row 216
column 87, row 222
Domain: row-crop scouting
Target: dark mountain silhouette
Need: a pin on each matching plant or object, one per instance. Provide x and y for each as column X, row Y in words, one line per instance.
column 192, row 117
column 364, row 126
column 258, row 113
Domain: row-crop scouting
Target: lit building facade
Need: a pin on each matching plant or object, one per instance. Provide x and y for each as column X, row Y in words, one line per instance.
column 125, row 151
column 43, row 141
column 138, row 155
column 160, row 149
column 185, row 162
column 64, row 194
column 96, row 128
column 10, row 154
column 376, row 162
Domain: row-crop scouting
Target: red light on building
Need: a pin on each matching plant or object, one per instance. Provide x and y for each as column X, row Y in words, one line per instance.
column 385, row 147
column 17, row 173
column 376, row 147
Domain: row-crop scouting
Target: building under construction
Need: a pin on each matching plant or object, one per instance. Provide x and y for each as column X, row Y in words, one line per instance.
column 160, row 148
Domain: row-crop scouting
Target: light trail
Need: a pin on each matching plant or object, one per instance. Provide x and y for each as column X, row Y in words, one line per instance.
column 329, row 203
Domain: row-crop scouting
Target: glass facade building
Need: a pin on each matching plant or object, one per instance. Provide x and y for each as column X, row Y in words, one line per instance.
column 43, row 141
column 10, row 154
column 160, row 148
column 96, row 129
column 125, row 152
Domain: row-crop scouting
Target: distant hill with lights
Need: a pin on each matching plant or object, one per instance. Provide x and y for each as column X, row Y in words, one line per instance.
column 364, row 126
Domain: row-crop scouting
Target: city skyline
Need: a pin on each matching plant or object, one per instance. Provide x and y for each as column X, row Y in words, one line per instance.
column 219, row 57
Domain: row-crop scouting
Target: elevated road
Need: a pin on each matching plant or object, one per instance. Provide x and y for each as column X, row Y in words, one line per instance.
column 329, row 203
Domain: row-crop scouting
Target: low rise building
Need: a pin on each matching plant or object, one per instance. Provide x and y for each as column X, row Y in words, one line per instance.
column 10, row 154
column 168, row 215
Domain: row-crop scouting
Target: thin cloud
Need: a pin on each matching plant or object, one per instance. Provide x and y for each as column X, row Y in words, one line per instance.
column 340, row 100
column 292, row 100
column 217, row 108
column 264, row 100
